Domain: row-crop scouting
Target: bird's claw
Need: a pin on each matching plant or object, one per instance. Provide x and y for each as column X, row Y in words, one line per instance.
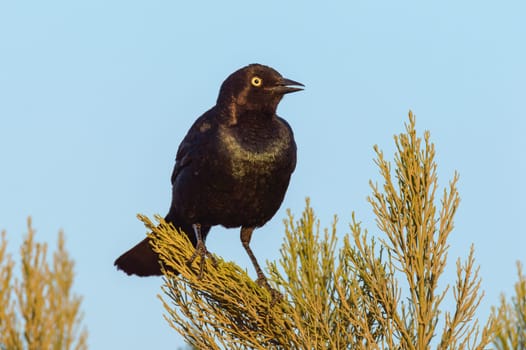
column 276, row 295
column 202, row 252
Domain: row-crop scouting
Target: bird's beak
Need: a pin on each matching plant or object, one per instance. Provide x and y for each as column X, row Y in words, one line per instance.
column 286, row 86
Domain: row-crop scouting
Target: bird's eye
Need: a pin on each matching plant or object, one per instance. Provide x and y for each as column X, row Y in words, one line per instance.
column 256, row 81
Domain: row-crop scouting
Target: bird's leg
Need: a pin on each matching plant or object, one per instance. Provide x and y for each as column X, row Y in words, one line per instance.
column 200, row 249
column 246, row 235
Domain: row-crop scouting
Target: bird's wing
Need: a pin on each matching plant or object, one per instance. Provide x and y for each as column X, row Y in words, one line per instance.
column 194, row 143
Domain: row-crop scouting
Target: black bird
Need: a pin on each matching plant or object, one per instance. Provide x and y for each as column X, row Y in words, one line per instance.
column 232, row 168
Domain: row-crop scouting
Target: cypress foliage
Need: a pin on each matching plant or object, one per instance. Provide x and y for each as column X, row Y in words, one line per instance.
column 512, row 317
column 369, row 292
column 38, row 310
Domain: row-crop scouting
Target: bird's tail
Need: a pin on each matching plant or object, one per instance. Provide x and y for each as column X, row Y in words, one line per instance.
column 140, row 260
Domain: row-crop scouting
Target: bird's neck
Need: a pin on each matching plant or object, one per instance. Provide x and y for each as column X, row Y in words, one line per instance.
column 235, row 114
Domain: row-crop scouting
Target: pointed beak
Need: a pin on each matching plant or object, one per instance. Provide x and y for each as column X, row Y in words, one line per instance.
column 286, row 86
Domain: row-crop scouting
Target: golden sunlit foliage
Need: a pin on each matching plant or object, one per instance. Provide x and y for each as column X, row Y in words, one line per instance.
column 38, row 310
column 364, row 292
column 512, row 317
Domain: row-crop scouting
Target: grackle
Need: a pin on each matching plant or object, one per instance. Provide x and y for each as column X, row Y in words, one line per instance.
column 232, row 168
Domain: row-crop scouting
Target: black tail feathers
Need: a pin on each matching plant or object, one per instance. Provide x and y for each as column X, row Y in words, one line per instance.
column 140, row 260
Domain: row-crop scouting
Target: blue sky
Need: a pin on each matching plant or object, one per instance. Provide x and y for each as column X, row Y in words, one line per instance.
column 95, row 97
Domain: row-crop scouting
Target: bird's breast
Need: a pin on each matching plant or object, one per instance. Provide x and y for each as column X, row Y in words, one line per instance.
column 241, row 180
column 255, row 154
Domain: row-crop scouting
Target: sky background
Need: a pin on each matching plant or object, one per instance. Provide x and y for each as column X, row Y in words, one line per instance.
column 95, row 97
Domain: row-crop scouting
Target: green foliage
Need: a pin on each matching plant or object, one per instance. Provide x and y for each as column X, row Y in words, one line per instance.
column 339, row 296
column 512, row 317
column 38, row 311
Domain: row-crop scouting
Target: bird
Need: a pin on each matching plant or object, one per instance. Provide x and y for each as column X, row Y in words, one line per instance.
column 232, row 168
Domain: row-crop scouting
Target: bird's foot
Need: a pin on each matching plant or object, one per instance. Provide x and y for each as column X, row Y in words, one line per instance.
column 276, row 295
column 202, row 252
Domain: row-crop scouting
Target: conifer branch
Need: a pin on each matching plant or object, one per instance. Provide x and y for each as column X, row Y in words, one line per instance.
column 38, row 310
column 346, row 296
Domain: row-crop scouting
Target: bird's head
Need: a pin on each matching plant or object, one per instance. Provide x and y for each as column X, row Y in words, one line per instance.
column 255, row 88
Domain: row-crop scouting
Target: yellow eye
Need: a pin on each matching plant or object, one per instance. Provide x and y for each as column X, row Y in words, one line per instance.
column 256, row 81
